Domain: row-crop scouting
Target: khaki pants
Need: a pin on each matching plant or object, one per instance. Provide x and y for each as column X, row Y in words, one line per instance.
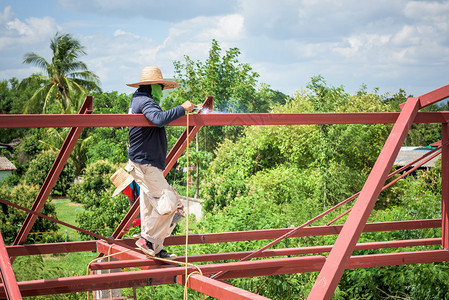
column 158, row 203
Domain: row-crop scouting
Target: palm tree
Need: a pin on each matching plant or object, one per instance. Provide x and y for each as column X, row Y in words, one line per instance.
column 67, row 79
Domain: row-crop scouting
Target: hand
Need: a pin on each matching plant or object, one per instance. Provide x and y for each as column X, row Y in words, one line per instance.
column 188, row 106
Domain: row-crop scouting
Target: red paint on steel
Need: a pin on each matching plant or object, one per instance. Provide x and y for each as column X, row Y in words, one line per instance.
column 10, row 287
column 332, row 209
column 132, row 260
column 434, row 96
column 219, row 289
column 105, row 248
column 25, row 121
column 307, row 231
column 396, row 259
column 53, row 174
column 179, row 149
column 332, row 270
column 121, row 279
column 120, row 120
column 51, row 248
column 236, row 269
column 445, row 186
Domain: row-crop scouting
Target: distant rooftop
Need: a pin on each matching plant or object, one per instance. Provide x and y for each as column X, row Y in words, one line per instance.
column 408, row 154
column 6, row 165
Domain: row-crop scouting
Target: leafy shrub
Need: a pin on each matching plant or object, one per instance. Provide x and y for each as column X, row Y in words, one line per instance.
column 39, row 167
column 11, row 218
column 104, row 216
column 95, row 183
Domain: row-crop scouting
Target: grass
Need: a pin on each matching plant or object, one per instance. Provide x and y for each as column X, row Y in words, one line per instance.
column 73, row 263
column 61, row 264
column 66, row 212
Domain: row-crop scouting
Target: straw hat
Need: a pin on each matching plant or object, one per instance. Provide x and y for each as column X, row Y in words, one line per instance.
column 121, row 179
column 153, row 75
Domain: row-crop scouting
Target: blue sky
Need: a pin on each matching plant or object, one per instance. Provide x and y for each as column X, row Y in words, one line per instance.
column 384, row 44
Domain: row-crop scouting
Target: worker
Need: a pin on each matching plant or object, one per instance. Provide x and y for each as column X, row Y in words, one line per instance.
column 146, row 153
column 126, row 185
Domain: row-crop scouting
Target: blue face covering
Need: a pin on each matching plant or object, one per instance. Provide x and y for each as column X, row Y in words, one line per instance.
column 156, row 92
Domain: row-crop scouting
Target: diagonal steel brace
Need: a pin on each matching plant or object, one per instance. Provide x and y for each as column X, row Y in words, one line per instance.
column 53, row 174
column 335, row 264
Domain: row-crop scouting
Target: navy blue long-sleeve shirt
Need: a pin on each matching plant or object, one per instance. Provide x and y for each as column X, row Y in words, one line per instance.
column 148, row 145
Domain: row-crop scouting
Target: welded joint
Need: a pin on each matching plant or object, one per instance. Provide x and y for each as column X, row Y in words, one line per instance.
column 149, row 281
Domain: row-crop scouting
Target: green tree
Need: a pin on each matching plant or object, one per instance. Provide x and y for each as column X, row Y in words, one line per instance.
column 12, row 102
column 38, row 168
column 332, row 160
column 232, row 84
column 67, row 79
column 109, row 143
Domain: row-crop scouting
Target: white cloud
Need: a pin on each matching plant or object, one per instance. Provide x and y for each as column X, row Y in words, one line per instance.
column 18, row 37
column 349, row 42
column 193, row 37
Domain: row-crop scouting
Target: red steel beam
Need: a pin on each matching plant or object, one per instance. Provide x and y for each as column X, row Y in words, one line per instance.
column 120, row 120
column 307, row 231
column 148, row 277
column 332, row 270
column 445, row 186
column 222, row 237
column 10, row 287
column 219, row 289
column 432, row 97
column 234, row 270
column 51, row 248
column 106, row 248
column 53, row 174
column 178, row 149
column 127, row 260
column 397, row 259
